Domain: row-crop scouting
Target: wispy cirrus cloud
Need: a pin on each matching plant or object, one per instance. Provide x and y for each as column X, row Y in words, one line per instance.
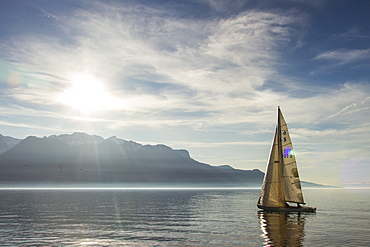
column 159, row 63
column 190, row 65
column 344, row 56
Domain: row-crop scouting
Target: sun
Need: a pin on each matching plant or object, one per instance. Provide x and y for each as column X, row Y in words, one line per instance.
column 88, row 95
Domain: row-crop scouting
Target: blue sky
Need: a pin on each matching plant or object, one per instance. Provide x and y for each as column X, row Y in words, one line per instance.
column 201, row 75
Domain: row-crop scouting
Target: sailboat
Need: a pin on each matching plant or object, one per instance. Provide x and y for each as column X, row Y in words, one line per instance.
column 281, row 189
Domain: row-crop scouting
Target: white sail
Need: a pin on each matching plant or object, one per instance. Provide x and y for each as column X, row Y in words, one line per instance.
column 272, row 192
column 290, row 177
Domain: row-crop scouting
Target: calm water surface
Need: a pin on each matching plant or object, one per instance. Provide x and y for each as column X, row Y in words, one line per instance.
column 178, row 218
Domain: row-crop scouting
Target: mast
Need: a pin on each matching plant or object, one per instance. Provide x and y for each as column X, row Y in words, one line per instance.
column 280, row 143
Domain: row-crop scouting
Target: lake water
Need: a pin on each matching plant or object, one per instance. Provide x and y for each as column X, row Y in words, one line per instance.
column 179, row 218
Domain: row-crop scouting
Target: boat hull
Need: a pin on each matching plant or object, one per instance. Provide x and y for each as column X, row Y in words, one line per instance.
column 288, row 209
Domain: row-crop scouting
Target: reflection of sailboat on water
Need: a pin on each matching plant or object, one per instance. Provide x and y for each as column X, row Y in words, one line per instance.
column 282, row 228
column 281, row 184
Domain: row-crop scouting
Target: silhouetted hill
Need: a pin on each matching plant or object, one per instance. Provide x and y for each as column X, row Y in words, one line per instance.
column 83, row 158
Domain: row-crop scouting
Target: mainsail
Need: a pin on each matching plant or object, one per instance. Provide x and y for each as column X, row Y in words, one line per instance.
column 291, row 182
column 281, row 183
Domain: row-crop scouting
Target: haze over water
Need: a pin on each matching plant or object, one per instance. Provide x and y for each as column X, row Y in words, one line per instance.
column 203, row 217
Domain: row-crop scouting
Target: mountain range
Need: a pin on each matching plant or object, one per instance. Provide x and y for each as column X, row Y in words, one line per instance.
column 80, row 158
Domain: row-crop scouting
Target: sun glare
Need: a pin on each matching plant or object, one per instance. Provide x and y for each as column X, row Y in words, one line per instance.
column 88, row 95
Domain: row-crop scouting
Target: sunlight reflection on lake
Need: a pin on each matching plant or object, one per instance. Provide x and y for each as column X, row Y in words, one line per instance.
column 282, row 229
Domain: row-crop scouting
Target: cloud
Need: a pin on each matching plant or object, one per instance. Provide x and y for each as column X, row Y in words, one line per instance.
column 344, row 56
column 208, row 66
